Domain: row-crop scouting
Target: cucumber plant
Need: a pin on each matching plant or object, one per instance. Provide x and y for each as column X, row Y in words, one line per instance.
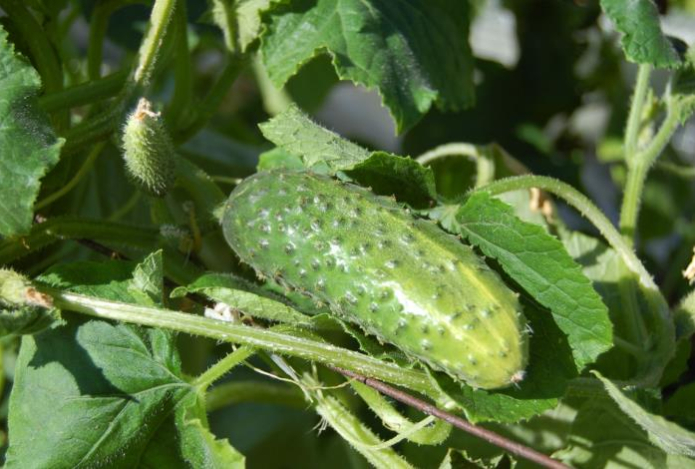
column 469, row 305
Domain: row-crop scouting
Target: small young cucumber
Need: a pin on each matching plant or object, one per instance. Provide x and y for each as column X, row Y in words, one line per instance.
column 401, row 279
column 148, row 151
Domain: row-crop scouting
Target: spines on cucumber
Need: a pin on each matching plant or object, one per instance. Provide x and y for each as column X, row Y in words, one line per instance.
column 399, row 278
column 148, row 151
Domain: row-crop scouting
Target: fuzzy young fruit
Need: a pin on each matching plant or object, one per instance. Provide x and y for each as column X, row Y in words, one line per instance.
column 150, row 157
column 401, row 279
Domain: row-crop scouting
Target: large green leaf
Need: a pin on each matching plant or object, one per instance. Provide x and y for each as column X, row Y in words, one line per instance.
column 28, row 145
column 414, row 52
column 93, row 394
column 642, row 41
column 540, row 264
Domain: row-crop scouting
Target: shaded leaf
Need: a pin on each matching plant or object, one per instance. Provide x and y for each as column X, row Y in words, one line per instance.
column 385, row 174
column 680, row 405
column 391, row 46
column 666, row 435
column 681, row 93
column 28, row 145
column 602, row 436
column 629, row 304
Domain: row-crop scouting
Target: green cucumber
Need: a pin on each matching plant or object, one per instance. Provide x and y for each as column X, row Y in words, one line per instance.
column 148, row 151
column 399, row 278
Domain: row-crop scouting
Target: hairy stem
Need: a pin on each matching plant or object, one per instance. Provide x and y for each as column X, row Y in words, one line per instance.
column 352, row 430
column 273, row 340
column 101, row 126
column 638, row 168
column 634, row 121
column 162, row 12
column 222, row 367
column 485, row 165
column 587, row 208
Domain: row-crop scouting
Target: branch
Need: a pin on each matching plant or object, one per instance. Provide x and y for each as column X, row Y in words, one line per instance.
column 487, row 435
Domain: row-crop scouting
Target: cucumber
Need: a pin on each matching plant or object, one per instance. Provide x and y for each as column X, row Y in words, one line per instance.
column 148, row 151
column 399, row 278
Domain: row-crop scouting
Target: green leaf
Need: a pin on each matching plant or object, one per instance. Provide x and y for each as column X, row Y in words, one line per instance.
column 297, row 134
column 550, row 369
column 91, row 394
column 539, row 263
column 602, row 436
column 28, row 145
column 666, row 435
column 409, row 51
column 642, row 41
column 88, row 394
column 325, row 151
column 233, row 292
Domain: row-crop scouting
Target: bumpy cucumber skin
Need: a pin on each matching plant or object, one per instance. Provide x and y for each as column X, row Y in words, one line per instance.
column 148, row 151
column 401, row 279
